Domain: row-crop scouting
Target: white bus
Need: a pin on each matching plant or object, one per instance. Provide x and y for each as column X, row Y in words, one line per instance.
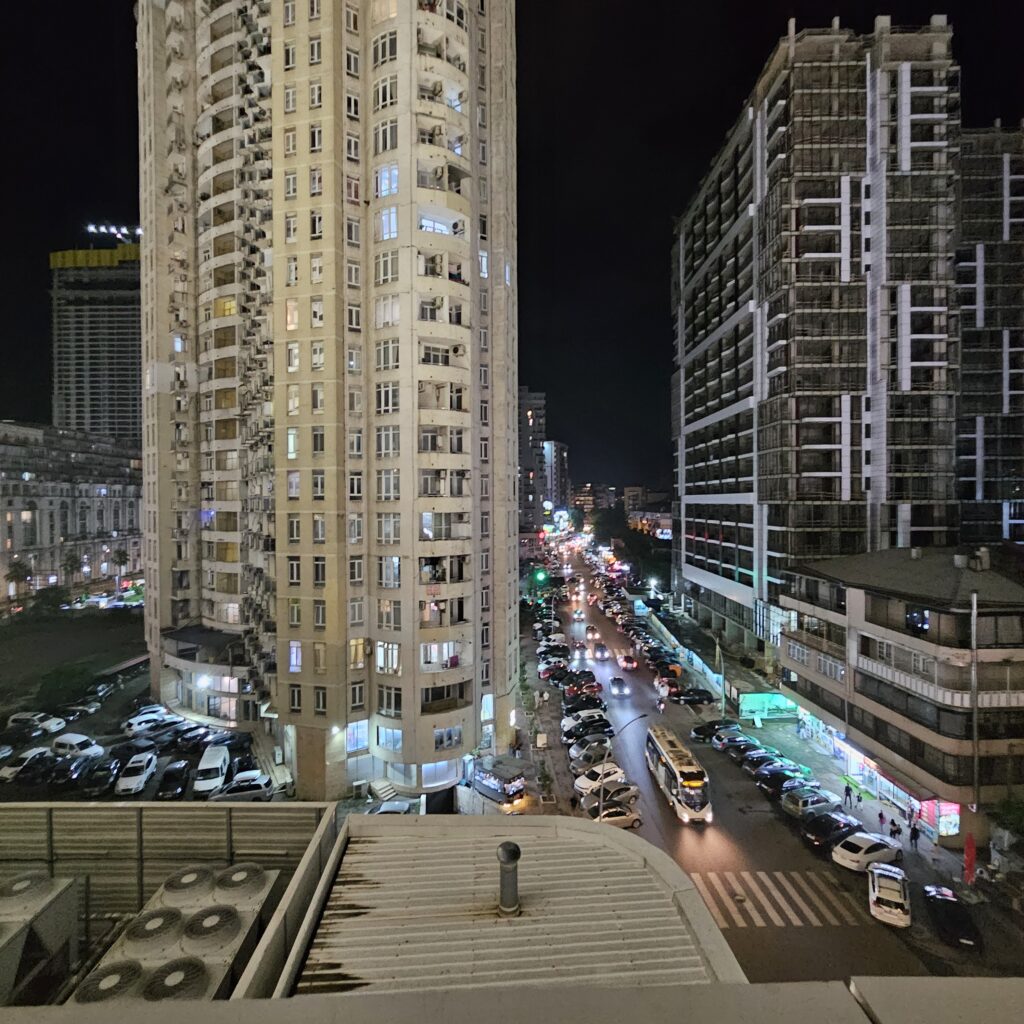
column 679, row 774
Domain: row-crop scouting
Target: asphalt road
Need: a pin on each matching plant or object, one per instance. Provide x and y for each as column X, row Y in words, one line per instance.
column 787, row 914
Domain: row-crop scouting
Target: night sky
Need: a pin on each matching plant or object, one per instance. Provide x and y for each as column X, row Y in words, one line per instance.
column 621, row 107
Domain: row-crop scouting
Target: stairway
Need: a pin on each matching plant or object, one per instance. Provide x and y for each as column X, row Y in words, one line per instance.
column 383, row 790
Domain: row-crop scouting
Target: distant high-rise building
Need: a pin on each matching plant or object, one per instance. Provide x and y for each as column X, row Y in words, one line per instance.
column 557, row 486
column 97, row 331
column 533, row 432
column 990, row 287
column 817, row 336
column 328, row 196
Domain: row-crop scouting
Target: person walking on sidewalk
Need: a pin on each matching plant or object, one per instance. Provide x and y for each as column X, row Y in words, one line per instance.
column 915, row 834
column 848, row 795
column 881, row 820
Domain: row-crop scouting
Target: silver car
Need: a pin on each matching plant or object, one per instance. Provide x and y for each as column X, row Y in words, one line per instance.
column 624, row 793
column 260, row 789
column 615, row 814
column 590, row 757
column 597, row 741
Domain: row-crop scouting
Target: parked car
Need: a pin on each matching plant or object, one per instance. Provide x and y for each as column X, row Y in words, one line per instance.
column 391, row 807
column 624, row 793
column 127, row 750
column 101, row 776
column 136, row 775
column 615, row 814
column 74, row 710
column 692, row 696
column 253, row 789
column 19, row 735
column 583, row 702
column 241, row 765
column 725, row 738
column 232, row 739
column 739, row 753
column 952, row 920
column 6, row 751
column 71, row 771
column 596, row 727
column 212, row 772
column 586, row 676
column 596, row 743
column 862, row 849
column 27, row 766
column 805, row 800
column 704, row 732
column 581, row 716
column 598, row 775
column 38, row 719
column 579, row 687
column 889, row 895
column 147, row 721
column 73, row 744
column 100, row 690
column 193, row 740
column 825, row 830
column 545, row 668
column 618, row 687
column 174, row 781
column 756, row 759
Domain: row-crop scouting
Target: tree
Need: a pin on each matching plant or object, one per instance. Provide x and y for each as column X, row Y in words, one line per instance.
column 120, row 557
column 70, row 564
column 19, row 574
column 49, row 600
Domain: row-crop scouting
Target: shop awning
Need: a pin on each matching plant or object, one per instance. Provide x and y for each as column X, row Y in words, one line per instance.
column 904, row 781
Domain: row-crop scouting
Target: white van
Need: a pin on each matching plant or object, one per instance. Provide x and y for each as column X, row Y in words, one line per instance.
column 212, row 771
column 74, row 744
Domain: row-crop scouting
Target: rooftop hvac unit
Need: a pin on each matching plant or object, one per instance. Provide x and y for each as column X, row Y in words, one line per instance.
column 189, row 942
column 38, row 926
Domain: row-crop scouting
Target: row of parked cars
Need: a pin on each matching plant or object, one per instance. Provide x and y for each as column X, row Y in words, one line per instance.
column 823, row 825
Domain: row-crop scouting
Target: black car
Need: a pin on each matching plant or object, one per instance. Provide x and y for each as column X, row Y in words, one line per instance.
column 230, row 739
column 584, row 702
column 70, row 771
column 586, row 676
column 38, row 772
column 127, row 750
column 20, row 735
column 243, row 763
column 174, row 781
column 193, row 740
column 739, row 754
column 101, row 776
column 693, row 695
column 823, row 831
column 144, row 699
column 706, row 730
column 952, row 919
column 164, row 739
column 591, row 727
column 774, row 783
column 69, row 712
column 756, row 759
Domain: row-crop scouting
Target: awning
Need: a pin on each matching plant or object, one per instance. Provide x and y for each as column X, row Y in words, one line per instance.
column 898, row 778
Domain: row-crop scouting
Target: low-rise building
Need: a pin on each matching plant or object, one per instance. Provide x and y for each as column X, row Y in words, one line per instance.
column 908, row 666
column 69, row 503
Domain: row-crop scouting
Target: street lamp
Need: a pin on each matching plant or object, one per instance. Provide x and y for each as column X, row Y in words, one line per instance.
column 604, row 760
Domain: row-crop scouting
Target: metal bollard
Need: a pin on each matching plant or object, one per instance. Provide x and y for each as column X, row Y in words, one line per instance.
column 508, row 898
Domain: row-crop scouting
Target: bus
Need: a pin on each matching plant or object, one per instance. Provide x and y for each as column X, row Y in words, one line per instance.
column 679, row 774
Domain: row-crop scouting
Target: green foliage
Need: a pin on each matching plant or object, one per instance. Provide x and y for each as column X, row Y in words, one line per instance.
column 121, row 558
column 64, row 683
column 1009, row 814
column 18, row 573
column 48, row 601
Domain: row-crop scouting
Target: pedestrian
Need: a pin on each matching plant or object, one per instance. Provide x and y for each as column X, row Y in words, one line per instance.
column 848, row 795
column 881, row 820
column 915, row 834
column 860, row 798
column 573, row 803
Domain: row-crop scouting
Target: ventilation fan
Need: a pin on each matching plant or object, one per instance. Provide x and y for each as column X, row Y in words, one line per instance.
column 241, row 877
column 116, row 980
column 187, row 885
column 152, row 932
column 212, row 927
column 184, row 978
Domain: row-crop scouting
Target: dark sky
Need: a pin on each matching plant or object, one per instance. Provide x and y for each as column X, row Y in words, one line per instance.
column 621, row 106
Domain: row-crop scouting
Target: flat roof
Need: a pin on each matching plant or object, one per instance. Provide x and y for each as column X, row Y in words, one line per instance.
column 931, row 578
column 413, row 907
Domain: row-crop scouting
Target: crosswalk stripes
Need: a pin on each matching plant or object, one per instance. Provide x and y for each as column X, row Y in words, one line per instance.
column 776, row 898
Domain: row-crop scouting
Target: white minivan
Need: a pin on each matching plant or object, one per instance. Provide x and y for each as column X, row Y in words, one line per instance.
column 74, row 744
column 212, row 772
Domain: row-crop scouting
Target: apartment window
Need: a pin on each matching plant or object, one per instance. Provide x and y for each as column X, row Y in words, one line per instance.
column 388, row 655
column 294, row 527
column 319, row 614
column 352, row 189
column 356, row 653
column 317, row 355
column 485, row 635
column 290, row 141
column 482, row 255
column 319, row 571
column 385, row 135
column 355, row 569
column 387, row 223
column 319, row 700
column 294, row 691
column 485, row 524
column 387, row 485
column 290, row 99
column 319, row 441
column 385, row 92
column 319, row 657
column 386, row 311
column 355, row 486
column 355, row 400
column 354, row 359
column 294, row 571
column 355, row 611
column 352, row 106
column 319, row 528
column 354, row 316
column 316, row 138
column 389, row 701
column 352, row 232
column 316, row 397
column 292, row 354
column 314, row 9
column 385, row 267
column 316, row 181
column 293, row 484
column 484, row 413
column 292, row 436
column 315, row 50
column 448, row 739
column 384, row 48
column 484, row 301
column 291, row 314
column 385, row 181
column 389, row 571
column 352, row 63
column 485, row 487
column 294, row 611
column 485, row 375
column 485, row 449
column 485, row 599
column 357, row 735
column 356, row 700
column 316, row 312
column 351, row 146
column 316, row 268
column 355, row 528
column 351, row 19
column 485, row 561
column 289, row 12
column 388, row 441
column 295, row 659
column 316, row 95
column 481, row 115
column 389, row 614
column 353, row 274
column 429, row 308
column 389, row 527
column 387, row 398
column 436, row 355
column 289, row 56
column 319, row 485
column 389, row 739
column 316, row 224
column 484, row 339
column 483, row 152
column 292, row 271
column 430, row 439
column 386, row 354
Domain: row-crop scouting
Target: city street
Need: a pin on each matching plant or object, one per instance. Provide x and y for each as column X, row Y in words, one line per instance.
column 788, row 914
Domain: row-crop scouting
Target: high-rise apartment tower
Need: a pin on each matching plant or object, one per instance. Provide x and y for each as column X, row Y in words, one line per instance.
column 533, row 432
column 328, row 200
column 817, row 338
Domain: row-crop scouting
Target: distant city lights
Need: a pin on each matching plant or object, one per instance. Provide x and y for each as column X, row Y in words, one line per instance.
column 122, row 233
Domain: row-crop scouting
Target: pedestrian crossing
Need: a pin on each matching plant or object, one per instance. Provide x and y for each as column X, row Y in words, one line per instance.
column 777, row 899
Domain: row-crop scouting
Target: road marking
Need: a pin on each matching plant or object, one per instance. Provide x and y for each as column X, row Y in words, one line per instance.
column 762, row 899
column 795, row 897
column 747, row 905
column 709, row 901
column 787, row 909
column 799, row 879
column 821, row 883
column 727, row 900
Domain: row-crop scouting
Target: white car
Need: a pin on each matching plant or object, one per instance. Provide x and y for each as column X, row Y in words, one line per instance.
column 136, row 775
column 862, row 849
column 581, row 716
column 549, row 665
column 74, row 744
column 259, row 788
column 12, row 769
column 615, row 814
column 607, row 771
column 39, row 719
column 137, row 725
column 889, row 895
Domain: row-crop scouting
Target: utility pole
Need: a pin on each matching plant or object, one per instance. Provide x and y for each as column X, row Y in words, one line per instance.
column 604, row 760
column 974, row 700
column 720, row 669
